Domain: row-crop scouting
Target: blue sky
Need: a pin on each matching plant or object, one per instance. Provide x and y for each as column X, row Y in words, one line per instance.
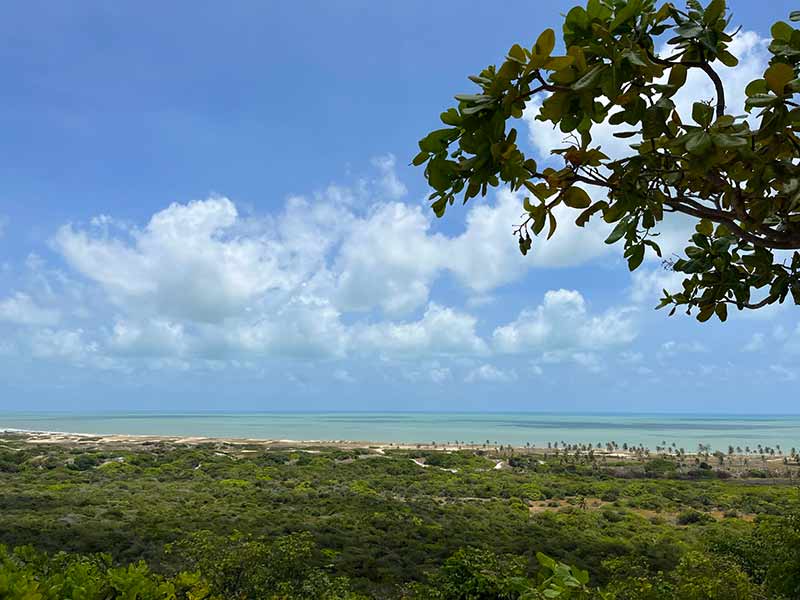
column 210, row 207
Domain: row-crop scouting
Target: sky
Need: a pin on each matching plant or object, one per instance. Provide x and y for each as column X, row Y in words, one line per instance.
column 208, row 206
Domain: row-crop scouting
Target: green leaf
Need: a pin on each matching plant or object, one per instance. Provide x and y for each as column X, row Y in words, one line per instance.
column 545, row 43
column 794, row 15
column 723, row 140
column 439, row 206
column 552, row 229
column 526, row 204
column 517, row 54
column 698, row 142
column 618, row 232
column 760, row 100
column 702, row 113
column 677, row 76
column 437, row 140
column 589, row 79
column 656, row 248
column 757, row 86
column 634, row 58
column 795, row 289
column 714, row 11
column 635, row 257
column 558, row 63
column 577, row 18
column 689, row 30
column 473, row 98
column 450, row 117
column 628, row 11
column 705, row 313
column 782, row 31
column 722, row 311
column 777, row 76
column 583, row 218
column 420, row 158
column 546, row 561
column 705, row 227
column 727, row 59
column 576, row 197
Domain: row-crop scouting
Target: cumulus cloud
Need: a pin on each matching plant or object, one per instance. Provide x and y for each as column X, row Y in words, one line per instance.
column 563, row 323
column 389, row 259
column 388, row 181
column 590, row 361
column 342, row 273
column 647, row 284
column 21, row 309
column 440, row 331
column 154, row 337
column 756, row 344
column 188, row 263
column 486, row 255
column 490, row 374
column 431, row 372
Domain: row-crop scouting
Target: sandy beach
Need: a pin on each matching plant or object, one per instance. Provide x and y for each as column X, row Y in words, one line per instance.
column 246, row 445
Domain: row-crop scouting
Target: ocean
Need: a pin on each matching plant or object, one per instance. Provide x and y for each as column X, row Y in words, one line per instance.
column 651, row 430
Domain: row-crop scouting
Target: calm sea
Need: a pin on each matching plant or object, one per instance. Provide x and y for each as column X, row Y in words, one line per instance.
column 538, row 429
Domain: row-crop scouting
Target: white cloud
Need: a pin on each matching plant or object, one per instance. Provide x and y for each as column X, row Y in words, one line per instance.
column 433, row 372
column 631, row 357
column 756, row 343
column 441, row 331
column 784, row 373
column 21, row 309
column 486, row 255
column 305, row 327
column 344, row 376
column 388, row 181
column 647, row 285
column 388, row 259
column 791, row 340
column 327, row 277
column 562, row 322
column 490, row 374
column 673, row 347
column 590, row 361
column 440, row 374
column 188, row 263
column 71, row 346
column 154, row 337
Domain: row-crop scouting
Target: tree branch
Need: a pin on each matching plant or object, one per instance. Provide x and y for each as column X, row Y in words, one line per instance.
column 703, row 66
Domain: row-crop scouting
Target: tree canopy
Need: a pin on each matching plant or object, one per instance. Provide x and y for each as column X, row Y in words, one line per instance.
column 740, row 182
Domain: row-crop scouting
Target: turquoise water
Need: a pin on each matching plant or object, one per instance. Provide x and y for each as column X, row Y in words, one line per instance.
column 538, row 429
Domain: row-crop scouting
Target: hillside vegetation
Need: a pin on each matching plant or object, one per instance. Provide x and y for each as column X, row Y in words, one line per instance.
column 223, row 520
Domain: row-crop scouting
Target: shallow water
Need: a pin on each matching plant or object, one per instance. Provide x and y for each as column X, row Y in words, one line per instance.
column 686, row 431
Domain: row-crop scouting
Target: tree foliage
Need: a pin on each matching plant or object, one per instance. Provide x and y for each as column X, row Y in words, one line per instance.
column 346, row 524
column 739, row 177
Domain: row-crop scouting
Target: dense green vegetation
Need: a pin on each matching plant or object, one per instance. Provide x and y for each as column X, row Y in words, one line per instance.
column 225, row 520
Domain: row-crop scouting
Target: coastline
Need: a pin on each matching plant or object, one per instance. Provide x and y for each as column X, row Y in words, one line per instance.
column 248, row 445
